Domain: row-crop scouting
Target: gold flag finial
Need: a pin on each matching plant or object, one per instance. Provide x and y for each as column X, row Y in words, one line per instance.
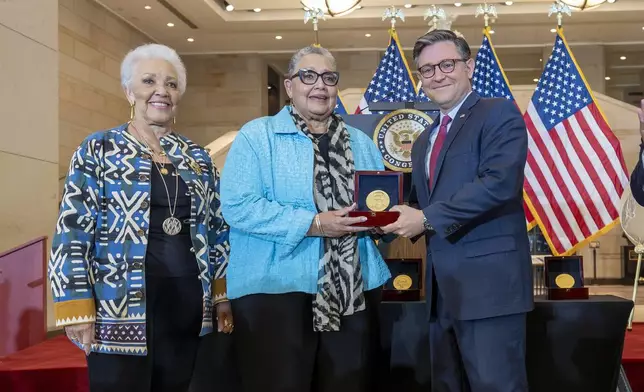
column 393, row 13
column 314, row 14
column 435, row 14
column 559, row 8
column 486, row 10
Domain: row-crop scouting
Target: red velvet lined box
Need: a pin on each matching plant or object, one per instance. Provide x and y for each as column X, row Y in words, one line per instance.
column 411, row 270
column 555, row 266
column 390, row 182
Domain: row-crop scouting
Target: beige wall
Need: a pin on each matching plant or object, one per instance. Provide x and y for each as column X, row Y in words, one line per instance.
column 223, row 93
column 29, row 109
column 92, row 43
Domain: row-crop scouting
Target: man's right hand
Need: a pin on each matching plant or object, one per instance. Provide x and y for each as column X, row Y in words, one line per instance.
column 338, row 224
column 82, row 334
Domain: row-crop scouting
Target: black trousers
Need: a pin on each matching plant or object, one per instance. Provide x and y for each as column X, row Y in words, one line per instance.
column 278, row 351
column 173, row 319
column 486, row 355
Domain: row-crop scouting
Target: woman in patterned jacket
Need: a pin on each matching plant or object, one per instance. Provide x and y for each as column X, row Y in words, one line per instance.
column 140, row 248
column 303, row 282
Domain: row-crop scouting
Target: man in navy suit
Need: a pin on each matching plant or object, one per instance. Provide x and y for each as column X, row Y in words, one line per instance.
column 468, row 179
column 637, row 177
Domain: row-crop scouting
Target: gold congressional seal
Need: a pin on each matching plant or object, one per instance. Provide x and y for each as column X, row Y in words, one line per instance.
column 378, row 201
column 565, row 281
column 396, row 134
column 402, row 282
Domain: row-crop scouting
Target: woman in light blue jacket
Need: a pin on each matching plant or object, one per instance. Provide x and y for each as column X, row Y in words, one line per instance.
column 304, row 283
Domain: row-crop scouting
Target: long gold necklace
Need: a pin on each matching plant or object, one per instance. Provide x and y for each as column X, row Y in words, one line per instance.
column 171, row 225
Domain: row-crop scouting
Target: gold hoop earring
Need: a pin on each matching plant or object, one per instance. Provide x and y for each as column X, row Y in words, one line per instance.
column 132, row 111
column 174, row 120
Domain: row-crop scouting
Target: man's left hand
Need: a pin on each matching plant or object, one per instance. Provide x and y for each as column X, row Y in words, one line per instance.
column 409, row 223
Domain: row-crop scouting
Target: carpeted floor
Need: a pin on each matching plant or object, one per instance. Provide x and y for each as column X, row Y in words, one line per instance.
column 57, row 366
column 633, row 357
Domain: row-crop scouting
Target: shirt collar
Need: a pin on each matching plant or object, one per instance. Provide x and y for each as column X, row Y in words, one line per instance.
column 452, row 113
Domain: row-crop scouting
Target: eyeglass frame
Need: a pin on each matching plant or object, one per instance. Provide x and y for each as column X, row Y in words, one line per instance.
column 318, row 75
column 433, row 67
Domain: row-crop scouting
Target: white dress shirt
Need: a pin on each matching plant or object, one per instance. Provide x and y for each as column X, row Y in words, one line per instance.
column 432, row 138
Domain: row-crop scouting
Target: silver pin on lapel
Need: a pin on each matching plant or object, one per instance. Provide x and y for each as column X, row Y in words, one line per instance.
column 461, row 116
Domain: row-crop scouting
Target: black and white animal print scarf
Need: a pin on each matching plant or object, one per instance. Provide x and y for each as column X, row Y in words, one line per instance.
column 340, row 284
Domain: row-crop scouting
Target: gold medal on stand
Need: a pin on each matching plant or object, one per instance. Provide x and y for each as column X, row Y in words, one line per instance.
column 565, row 281
column 402, row 282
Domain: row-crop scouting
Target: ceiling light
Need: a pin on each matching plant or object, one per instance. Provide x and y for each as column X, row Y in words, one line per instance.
column 191, row 39
column 458, row 4
column 612, row 1
column 509, row 2
column 170, row 24
column 535, row 80
column 278, row 37
column 332, row 7
column 583, row 4
column 147, row 7
column 257, row 9
column 230, row 7
column 607, row 78
column 367, row 35
column 540, row 60
column 408, row 5
column 553, row 30
column 491, row 31
column 623, row 58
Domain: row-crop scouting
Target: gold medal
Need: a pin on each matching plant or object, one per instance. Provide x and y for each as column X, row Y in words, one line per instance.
column 164, row 171
column 378, row 201
column 402, row 282
column 565, row 281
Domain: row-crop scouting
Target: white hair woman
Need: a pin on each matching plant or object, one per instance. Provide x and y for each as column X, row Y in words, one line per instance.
column 140, row 250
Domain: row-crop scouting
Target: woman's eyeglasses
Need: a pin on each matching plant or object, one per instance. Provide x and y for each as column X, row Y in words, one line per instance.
column 310, row 77
column 446, row 66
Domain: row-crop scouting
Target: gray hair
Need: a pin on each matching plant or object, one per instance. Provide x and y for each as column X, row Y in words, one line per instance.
column 435, row 36
column 306, row 51
column 152, row 51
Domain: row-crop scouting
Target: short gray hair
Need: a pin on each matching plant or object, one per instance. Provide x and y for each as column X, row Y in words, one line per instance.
column 436, row 36
column 152, row 51
column 306, row 51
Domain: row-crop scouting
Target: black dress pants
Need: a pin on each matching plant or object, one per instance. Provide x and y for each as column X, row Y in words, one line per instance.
column 174, row 313
column 485, row 355
column 278, row 351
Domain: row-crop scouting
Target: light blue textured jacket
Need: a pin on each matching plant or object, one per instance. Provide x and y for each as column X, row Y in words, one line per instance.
column 267, row 199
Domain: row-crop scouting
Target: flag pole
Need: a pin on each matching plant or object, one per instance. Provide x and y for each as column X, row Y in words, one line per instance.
column 559, row 8
column 393, row 13
column 434, row 14
column 314, row 14
column 486, row 10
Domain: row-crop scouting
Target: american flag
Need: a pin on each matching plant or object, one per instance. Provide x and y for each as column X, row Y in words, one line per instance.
column 490, row 81
column 421, row 97
column 339, row 106
column 575, row 174
column 392, row 81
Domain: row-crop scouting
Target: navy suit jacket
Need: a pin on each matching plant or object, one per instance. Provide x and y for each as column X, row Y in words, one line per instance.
column 480, row 251
column 637, row 180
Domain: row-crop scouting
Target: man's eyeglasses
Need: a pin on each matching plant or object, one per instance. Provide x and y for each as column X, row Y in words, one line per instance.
column 446, row 66
column 310, row 77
